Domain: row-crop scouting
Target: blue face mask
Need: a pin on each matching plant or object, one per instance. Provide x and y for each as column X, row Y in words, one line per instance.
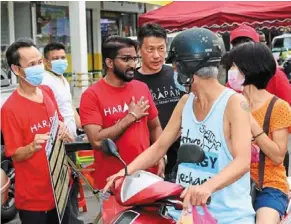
column 34, row 74
column 59, row 66
column 177, row 84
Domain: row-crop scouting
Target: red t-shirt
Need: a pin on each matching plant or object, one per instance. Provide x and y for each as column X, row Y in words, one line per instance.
column 278, row 85
column 21, row 120
column 104, row 105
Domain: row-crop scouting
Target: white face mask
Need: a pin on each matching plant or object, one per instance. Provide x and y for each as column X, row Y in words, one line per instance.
column 235, row 79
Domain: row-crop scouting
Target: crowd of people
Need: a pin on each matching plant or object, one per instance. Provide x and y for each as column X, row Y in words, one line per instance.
column 148, row 115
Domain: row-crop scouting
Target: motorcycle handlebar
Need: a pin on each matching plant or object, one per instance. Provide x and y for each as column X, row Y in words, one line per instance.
column 179, row 204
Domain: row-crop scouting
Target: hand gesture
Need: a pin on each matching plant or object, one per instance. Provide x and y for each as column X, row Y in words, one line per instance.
column 196, row 195
column 161, row 168
column 39, row 139
column 140, row 109
column 64, row 134
column 111, row 179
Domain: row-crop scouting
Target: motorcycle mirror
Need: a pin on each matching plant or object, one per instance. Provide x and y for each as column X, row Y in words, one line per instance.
column 109, row 147
column 190, row 153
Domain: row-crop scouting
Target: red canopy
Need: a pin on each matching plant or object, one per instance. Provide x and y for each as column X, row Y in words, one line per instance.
column 220, row 16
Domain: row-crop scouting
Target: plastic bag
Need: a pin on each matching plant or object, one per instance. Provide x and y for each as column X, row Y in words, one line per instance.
column 192, row 216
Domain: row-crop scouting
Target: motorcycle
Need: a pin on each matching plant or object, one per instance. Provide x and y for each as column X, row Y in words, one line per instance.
column 8, row 210
column 5, row 183
column 144, row 190
column 147, row 195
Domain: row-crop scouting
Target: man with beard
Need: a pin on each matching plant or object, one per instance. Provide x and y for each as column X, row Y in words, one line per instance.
column 119, row 108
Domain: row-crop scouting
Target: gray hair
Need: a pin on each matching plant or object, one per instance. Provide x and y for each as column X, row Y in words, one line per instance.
column 207, row 72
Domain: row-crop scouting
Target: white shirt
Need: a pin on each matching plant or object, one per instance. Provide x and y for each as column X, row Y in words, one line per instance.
column 62, row 92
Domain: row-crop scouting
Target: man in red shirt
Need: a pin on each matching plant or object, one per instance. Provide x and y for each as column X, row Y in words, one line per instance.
column 119, row 108
column 279, row 84
column 26, row 120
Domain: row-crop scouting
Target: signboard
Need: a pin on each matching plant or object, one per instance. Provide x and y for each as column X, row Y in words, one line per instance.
column 58, row 167
column 122, row 6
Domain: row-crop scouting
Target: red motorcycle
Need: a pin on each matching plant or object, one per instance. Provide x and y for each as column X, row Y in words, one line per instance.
column 147, row 195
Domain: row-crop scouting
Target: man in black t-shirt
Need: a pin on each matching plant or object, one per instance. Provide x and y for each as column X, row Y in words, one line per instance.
column 159, row 78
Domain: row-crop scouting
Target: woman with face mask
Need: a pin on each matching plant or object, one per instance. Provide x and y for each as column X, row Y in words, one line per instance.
column 252, row 67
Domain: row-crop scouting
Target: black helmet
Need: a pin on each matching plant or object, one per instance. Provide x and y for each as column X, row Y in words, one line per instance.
column 193, row 49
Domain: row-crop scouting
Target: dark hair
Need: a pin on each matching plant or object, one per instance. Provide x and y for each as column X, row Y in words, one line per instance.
column 260, row 32
column 256, row 62
column 240, row 40
column 151, row 30
column 53, row 46
column 12, row 54
column 113, row 44
column 226, row 61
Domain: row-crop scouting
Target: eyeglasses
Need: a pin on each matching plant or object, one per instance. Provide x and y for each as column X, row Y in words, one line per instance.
column 129, row 58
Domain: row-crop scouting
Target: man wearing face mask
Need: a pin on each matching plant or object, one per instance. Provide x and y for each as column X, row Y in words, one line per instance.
column 119, row 108
column 278, row 85
column 160, row 78
column 56, row 65
column 26, row 121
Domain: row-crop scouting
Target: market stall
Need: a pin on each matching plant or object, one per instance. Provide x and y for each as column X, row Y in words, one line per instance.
column 220, row 16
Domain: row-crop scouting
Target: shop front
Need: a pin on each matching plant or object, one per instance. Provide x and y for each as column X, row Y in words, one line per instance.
column 51, row 21
column 120, row 18
column 53, row 25
column 118, row 23
column 115, row 18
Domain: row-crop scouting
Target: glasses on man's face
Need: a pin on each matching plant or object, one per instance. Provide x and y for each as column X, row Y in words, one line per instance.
column 128, row 59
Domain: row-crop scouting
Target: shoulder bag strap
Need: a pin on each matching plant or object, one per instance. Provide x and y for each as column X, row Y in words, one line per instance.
column 266, row 128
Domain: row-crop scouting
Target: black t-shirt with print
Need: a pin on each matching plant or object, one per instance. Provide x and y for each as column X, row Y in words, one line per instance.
column 164, row 92
column 166, row 96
